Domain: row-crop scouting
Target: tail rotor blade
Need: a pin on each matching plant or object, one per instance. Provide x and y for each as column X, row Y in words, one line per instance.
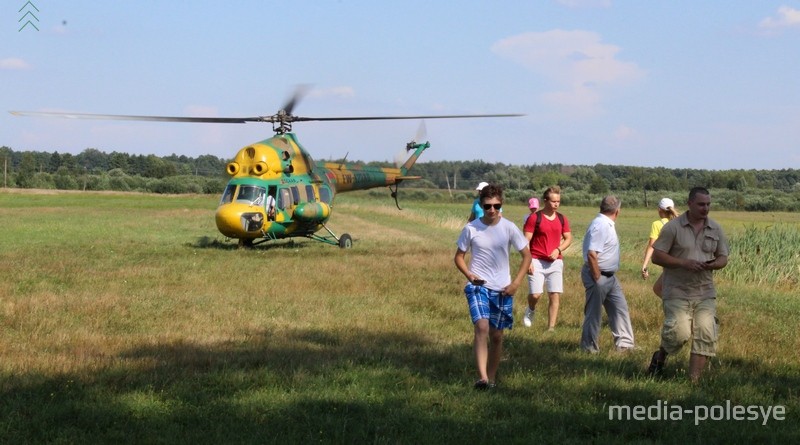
column 422, row 132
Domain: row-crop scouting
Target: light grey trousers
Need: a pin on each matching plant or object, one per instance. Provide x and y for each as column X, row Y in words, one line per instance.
column 605, row 293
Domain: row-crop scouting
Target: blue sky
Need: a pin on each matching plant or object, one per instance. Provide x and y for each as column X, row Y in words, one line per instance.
column 697, row 84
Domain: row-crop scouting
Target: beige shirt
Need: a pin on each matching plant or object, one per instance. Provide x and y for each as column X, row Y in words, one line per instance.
column 678, row 239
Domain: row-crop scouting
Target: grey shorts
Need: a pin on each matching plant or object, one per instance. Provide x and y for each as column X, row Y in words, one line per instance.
column 550, row 273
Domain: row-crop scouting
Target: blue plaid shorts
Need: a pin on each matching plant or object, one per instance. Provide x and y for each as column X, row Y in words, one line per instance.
column 487, row 303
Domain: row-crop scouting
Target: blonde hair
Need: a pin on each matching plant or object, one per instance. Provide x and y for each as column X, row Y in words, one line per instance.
column 556, row 190
column 669, row 212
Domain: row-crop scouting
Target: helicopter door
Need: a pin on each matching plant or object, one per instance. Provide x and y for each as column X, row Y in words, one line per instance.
column 270, row 203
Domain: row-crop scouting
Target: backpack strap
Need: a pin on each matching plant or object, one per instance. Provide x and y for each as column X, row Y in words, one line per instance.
column 539, row 220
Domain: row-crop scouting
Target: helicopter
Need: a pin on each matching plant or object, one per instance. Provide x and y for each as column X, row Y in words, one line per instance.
column 276, row 189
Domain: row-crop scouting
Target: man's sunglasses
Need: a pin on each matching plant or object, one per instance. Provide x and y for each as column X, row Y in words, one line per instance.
column 489, row 206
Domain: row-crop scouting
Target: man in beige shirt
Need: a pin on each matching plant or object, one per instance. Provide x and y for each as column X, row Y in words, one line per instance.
column 690, row 248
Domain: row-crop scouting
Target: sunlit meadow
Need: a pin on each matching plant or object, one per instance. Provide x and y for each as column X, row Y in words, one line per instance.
column 126, row 318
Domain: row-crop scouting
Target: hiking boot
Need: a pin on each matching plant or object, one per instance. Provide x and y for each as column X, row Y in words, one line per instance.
column 656, row 363
column 527, row 319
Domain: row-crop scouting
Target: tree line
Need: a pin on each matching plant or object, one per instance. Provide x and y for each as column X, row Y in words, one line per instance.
column 92, row 169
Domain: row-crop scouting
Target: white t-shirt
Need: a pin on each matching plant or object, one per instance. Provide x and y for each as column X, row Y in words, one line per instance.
column 490, row 250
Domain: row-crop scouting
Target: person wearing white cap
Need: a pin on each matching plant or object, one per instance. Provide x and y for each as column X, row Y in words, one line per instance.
column 477, row 210
column 666, row 212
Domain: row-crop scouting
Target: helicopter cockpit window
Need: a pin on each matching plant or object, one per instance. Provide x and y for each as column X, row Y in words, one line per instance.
column 227, row 196
column 250, row 194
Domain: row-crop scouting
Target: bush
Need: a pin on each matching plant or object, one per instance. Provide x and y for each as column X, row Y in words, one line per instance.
column 65, row 182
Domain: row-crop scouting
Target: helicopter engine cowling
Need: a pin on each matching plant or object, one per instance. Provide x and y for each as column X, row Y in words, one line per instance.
column 260, row 168
column 312, row 212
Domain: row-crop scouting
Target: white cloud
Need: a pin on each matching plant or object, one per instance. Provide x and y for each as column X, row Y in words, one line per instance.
column 624, row 133
column 577, row 62
column 786, row 17
column 13, row 64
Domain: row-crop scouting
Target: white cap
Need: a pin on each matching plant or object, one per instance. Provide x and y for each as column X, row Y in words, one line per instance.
column 481, row 186
column 665, row 204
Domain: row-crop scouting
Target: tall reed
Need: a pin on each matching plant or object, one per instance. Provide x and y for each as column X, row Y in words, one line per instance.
column 767, row 256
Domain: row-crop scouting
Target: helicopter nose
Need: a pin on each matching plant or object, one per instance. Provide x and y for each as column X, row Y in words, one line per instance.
column 229, row 221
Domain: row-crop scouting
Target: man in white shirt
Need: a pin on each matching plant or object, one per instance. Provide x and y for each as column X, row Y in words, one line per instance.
column 601, row 262
column 490, row 289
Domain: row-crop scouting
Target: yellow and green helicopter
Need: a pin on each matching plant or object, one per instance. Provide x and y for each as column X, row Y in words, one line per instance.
column 276, row 189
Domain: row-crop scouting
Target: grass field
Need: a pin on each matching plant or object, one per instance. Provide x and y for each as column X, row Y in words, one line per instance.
column 126, row 318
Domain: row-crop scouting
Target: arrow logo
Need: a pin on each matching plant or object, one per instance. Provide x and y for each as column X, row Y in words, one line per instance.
column 29, row 14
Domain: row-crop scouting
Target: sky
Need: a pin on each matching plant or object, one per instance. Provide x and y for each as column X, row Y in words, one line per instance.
column 677, row 84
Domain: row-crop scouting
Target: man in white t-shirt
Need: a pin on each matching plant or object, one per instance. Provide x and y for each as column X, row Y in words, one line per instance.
column 490, row 289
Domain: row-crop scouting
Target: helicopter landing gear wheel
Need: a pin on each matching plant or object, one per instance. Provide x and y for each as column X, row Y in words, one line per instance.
column 245, row 243
column 345, row 242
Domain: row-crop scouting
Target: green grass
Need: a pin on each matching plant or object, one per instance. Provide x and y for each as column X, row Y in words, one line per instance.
column 126, row 318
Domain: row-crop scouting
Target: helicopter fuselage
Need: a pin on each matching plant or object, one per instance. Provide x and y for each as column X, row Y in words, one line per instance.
column 277, row 191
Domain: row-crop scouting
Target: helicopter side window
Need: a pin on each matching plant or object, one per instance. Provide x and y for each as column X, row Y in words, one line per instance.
column 250, row 194
column 227, row 196
column 325, row 195
column 310, row 193
column 284, row 199
column 296, row 195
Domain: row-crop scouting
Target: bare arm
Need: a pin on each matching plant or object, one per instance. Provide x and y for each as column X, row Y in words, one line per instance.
column 461, row 265
column 670, row 262
column 566, row 240
column 511, row 289
column 648, row 254
column 718, row 263
column 529, row 236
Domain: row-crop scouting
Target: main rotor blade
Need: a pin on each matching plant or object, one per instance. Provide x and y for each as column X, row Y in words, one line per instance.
column 222, row 120
column 277, row 118
column 299, row 92
column 377, row 118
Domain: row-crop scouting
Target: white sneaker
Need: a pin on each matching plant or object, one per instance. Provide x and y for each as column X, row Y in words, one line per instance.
column 527, row 320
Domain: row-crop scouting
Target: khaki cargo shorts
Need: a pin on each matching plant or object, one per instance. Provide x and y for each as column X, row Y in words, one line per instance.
column 690, row 319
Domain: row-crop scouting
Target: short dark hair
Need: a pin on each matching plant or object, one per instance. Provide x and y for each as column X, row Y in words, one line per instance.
column 492, row 191
column 698, row 191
